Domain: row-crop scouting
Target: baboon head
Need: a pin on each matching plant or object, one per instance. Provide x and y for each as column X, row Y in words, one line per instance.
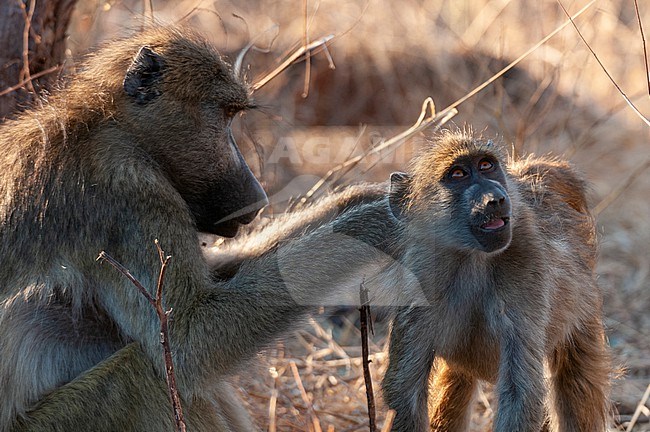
column 178, row 101
column 457, row 195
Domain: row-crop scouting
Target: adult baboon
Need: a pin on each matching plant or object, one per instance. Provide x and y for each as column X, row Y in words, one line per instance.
column 504, row 253
column 138, row 147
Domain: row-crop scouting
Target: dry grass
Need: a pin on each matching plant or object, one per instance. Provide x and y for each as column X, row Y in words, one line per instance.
column 389, row 56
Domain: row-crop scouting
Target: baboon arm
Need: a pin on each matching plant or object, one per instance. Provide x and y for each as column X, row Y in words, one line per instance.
column 225, row 260
column 520, row 385
column 267, row 295
column 409, row 367
column 217, row 325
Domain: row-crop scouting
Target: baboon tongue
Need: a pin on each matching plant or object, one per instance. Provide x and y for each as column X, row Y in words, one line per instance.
column 493, row 224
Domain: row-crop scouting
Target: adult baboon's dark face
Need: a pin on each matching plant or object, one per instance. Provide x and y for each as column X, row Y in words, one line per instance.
column 465, row 205
column 184, row 106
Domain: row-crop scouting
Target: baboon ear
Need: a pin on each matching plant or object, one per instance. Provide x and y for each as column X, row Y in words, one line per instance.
column 399, row 184
column 140, row 81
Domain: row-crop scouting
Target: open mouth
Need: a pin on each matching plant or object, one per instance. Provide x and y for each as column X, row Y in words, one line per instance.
column 495, row 224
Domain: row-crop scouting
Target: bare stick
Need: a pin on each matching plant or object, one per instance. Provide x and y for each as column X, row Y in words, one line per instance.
column 638, row 410
column 163, row 316
column 317, row 45
column 25, row 75
column 602, row 66
column 273, row 404
column 365, row 323
column 148, row 12
column 519, row 59
column 237, row 66
column 31, row 78
column 614, row 194
column 645, row 50
column 305, row 89
column 305, row 398
column 388, row 423
column 428, row 118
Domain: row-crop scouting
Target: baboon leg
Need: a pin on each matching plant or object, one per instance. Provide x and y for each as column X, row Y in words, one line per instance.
column 520, row 386
column 138, row 399
column 451, row 394
column 406, row 382
column 580, row 380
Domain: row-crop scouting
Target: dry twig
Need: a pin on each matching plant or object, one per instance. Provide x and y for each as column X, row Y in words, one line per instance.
column 638, row 410
column 365, row 324
column 148, row 13
column 305, row 90
column 645, row 50
column 31, row 78
column 316, row 46
column 602, row 66
column 25, row 76
column 388, row 423
column 428, row 118
column 163, row 316
column 303, row 393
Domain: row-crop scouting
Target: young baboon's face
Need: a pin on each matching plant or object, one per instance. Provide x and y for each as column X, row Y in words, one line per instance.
column 475, row 188
column 182, row 99
column 463, row 204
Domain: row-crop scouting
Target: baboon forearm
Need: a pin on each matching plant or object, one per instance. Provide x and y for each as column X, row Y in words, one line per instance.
column 225, row 261
column 268, row 295
column 520, row 387
column 408, row 370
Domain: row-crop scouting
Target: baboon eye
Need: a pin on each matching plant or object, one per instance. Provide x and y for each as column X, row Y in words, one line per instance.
column 231, row 112
column 485, row 165
column 457, row 173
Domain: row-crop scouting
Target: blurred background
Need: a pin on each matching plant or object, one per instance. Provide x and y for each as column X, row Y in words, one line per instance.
column 386, row 58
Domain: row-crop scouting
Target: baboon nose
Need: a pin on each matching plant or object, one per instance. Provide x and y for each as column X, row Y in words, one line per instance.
column 262, row 201
column 498, row 201
column 248, row 217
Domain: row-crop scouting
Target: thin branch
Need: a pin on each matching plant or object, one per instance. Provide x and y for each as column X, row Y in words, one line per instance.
column 645, row 49
column 305, row 398
column 428, row 118
column 305, row 89
column 126, row 272
column 388, row 423
column 365, row 323
column 25, row 75
column 614, row 194
column 639, row 409
column 602, row 66
column 240, row 57
column 316, row 45
column 148, row 12
column 31, row 78
column 163, row 316
column 164, row 262
column 518, row 59
column 273, row 401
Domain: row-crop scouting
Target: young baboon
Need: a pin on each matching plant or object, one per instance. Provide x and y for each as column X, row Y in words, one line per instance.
column 138, row 147
column 504, row 253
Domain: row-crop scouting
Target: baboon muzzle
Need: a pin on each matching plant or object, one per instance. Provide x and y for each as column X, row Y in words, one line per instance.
column 491, row 213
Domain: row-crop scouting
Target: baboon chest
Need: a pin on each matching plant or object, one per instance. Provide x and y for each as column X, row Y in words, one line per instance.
column 467, row 334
